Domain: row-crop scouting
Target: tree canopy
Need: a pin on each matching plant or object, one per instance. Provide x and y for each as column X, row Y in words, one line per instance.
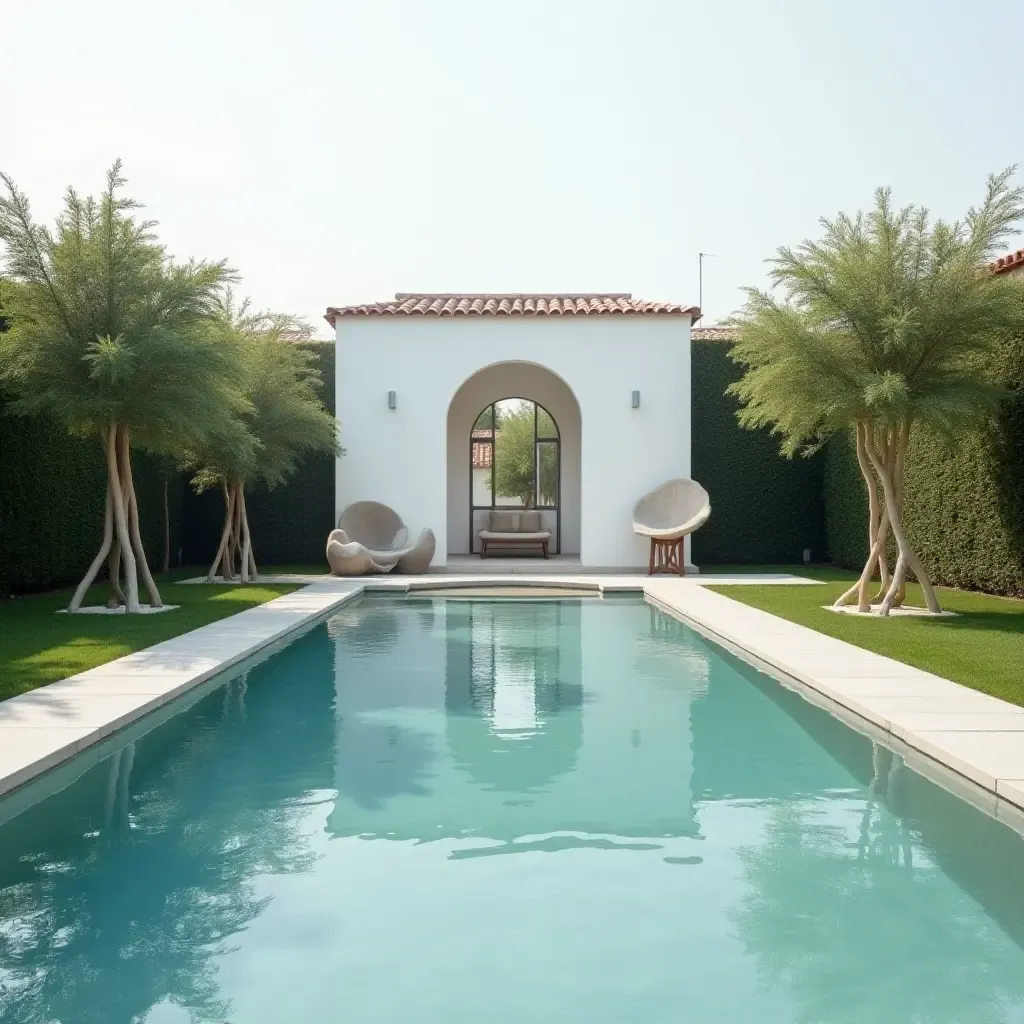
column 110, row 336
column 282, row 419
column 518, row 459
column 889, row 321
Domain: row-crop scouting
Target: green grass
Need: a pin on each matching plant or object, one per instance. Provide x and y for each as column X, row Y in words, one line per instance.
column 38, row 646
column 983, row 647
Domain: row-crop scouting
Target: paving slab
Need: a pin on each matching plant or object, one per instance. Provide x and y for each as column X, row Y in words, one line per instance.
column 103, row 712
column 975, row 735
column 902, row 723
column 984, row 757
column 27, row 751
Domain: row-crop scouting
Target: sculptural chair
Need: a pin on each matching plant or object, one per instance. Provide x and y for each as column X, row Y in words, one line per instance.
column 371, row 538
column 667, row 515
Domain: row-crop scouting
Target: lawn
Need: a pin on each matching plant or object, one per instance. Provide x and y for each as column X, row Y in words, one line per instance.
column 983, row 647
column 38, row 646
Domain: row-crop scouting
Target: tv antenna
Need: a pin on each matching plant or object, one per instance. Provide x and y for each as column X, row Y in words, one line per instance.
column 701, row 257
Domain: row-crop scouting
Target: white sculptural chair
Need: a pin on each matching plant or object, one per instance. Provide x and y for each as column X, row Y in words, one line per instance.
column 371, row 538
column 667, row 515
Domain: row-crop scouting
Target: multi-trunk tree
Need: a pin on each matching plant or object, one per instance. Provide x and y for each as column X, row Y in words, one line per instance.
column 888, row 323
column 111, row 337
column 283, row 420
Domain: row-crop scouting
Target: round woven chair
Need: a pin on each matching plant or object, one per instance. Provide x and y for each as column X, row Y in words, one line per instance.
column 371, row 538
column 667, row 515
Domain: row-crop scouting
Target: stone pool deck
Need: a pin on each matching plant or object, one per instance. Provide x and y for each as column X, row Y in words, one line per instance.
column 945, row 730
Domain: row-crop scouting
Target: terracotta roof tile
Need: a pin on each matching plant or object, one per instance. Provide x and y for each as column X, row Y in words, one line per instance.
column 714, row 334
column 1011, row 261
column 483, row 455
column 598, row 304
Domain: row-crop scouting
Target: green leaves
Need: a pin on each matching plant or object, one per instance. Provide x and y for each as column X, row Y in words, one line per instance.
column 111, row 362
column 105, row 326
column 888, row 317
column 279, row 416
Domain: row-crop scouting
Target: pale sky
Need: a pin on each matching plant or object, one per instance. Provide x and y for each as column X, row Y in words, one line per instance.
column 341, row 151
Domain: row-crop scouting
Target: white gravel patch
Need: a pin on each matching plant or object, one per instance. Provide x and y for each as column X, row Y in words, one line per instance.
column 102, row 609
column 908, row 611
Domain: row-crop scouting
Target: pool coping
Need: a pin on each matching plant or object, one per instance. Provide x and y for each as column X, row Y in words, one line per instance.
column 967, row 741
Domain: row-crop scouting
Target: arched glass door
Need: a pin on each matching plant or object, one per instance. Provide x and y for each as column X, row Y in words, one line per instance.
column 515, row 462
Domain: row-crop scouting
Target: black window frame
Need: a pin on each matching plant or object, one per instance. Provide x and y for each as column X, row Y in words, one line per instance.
column 475, row 439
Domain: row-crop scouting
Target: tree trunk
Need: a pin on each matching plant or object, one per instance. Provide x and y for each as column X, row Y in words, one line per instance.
column 225, row 534
column 243, row 535
column 117, row 597
column 108, row 532
column 133, row 521
column 901, row 459
column 235, row 544
column 907, row 556
column 877, row 524
column 124, row 541
column 248, row 561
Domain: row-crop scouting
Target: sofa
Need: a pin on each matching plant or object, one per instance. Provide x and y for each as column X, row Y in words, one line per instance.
column 514, row 528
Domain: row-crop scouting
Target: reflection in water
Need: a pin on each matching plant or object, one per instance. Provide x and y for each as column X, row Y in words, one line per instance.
column 646, row 828
column 513, row 691
column 840, row 914
column 123, row 889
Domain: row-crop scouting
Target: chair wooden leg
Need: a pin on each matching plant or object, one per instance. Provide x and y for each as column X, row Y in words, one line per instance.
column 544, row 546
column 666, row 556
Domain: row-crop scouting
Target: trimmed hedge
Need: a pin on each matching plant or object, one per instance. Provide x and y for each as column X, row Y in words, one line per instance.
column 964, row 504
column 52, row 502
column 764, row 508
column 964, row 510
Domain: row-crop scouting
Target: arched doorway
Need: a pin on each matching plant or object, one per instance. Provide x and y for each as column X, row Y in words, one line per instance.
column 515, row 462
column 525, row 414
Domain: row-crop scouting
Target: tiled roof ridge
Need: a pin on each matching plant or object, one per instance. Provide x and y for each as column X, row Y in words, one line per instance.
column 1011, row 261
column 512, row 304
column 715, row 333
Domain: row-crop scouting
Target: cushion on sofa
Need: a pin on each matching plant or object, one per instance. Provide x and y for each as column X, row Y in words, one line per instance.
column 504, row 522
column 530, row 522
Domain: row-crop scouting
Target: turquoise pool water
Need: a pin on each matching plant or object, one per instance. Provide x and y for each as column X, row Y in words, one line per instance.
column 443, row 811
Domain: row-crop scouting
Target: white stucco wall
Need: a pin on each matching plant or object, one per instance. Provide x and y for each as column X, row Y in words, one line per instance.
column 401, row 456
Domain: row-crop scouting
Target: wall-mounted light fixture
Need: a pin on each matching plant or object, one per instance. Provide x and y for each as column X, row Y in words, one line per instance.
column 636, row 399
column 392, row 400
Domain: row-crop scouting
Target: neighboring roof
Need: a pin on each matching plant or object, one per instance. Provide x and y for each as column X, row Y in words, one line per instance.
column 714, row 334
column 483, row 455
column 1011, row 261
column 514, row 304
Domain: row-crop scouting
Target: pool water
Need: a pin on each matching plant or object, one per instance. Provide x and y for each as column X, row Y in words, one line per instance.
column 442, row 811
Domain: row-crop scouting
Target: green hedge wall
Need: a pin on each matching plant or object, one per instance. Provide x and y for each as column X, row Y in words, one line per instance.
column 52, row 495
column 289, row 524
column 964, row 502
column 764, row 508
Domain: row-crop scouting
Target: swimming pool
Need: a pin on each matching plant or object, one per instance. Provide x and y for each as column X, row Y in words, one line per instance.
column 486, row 810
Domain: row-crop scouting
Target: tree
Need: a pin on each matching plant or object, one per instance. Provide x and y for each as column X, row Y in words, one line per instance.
column 888, row 323
column 109, row 336
column 516, row 457
column 842, row 916
column 283, row 419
